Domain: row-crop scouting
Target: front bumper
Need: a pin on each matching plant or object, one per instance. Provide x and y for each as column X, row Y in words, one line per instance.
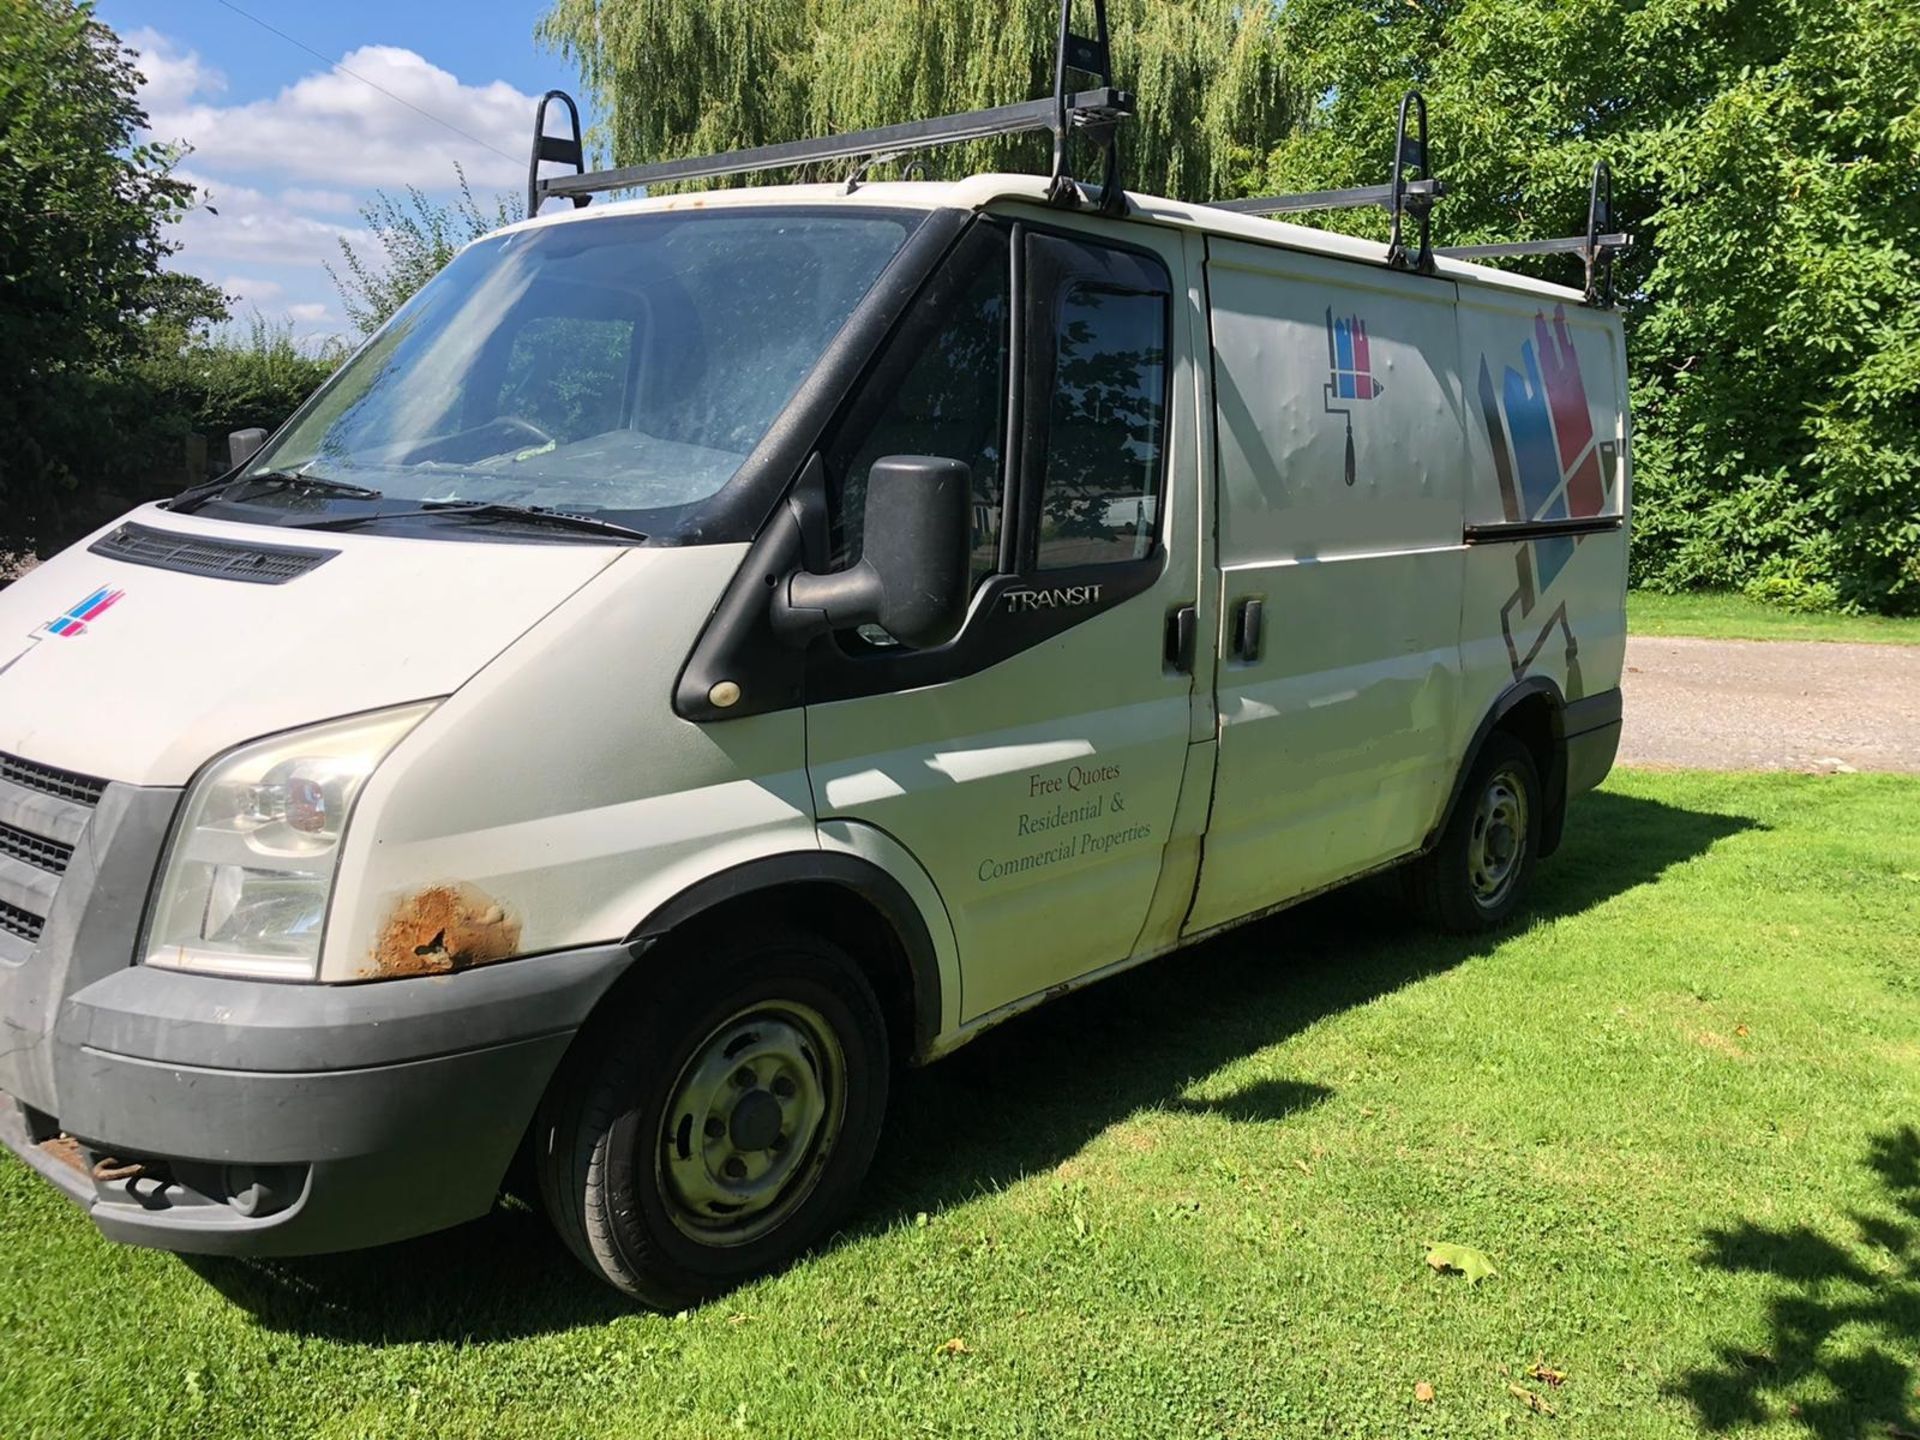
column 222, row 1116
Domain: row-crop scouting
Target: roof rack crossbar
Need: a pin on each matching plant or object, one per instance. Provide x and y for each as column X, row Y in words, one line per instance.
column 1565, row 245
column 1085, row 108
column 1405, row 194
column 1094, row 113
column 1349, row 199
column 1598, row 246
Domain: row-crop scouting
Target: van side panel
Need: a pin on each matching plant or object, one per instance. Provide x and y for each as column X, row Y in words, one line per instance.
column 1546, row 392
column 1342, row 457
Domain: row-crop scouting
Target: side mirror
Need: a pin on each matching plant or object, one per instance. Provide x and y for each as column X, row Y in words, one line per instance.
column 243, row 445
column 912, row 577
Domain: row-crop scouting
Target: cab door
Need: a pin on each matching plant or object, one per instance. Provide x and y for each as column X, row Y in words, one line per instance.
column 1033, row 764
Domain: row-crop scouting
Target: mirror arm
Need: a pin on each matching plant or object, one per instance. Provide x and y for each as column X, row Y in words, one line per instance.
column 806, row 605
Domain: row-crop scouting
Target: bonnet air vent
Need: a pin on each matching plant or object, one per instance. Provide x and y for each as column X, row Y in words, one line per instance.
column 82, row 789
column 204, row 555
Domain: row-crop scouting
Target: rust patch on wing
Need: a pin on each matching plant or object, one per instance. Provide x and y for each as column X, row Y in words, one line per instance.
column 442, row 929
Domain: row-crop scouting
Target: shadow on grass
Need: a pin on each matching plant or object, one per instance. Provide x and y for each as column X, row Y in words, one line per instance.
column 1823, row 1287
column 1263, row 1100
column 1015, row 1102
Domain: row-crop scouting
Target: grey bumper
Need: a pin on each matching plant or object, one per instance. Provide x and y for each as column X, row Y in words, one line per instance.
column 274, row 1119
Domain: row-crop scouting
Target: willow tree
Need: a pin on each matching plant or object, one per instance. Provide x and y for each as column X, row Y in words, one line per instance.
column 684, row 77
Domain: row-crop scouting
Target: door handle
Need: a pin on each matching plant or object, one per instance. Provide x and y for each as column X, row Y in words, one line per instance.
column 1183, row 627
column 1249, row 624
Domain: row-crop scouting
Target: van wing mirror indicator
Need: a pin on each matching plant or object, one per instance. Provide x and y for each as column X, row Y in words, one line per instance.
column 911, row 579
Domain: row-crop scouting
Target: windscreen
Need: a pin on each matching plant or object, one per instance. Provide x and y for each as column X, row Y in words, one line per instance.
column 621, row 367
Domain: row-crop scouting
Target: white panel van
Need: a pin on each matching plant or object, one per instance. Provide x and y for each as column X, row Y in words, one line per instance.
column 707, row 651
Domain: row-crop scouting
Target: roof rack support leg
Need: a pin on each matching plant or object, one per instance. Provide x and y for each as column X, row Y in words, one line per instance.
column 1600, row 222
column 1093, row 56
column 554, row 147
column 1411, row 154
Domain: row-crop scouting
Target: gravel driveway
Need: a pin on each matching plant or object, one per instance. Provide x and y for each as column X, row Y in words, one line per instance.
column 1771, row 705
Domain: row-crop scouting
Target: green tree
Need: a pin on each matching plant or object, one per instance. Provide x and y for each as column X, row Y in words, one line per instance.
column 416, row 238
column 1768, row 159
column 83, row 210
column 678, row 77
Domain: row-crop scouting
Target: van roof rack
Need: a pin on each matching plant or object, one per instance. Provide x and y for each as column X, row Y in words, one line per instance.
column 1403, row 195
column 1095, row 114
column 1597, row 247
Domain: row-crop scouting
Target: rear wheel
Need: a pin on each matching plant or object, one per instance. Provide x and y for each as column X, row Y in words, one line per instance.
column 1477, row 874
column 716, row 1127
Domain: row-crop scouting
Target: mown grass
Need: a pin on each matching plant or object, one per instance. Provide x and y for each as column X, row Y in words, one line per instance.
column 1720, row 616
column 1675, row 1109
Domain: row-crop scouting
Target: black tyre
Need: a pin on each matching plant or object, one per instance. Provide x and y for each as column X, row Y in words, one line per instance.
column 714, row 1126
column 1476, row 877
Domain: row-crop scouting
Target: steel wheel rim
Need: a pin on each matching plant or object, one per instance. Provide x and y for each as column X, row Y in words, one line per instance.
column 750, row 1122
column 1497, row 845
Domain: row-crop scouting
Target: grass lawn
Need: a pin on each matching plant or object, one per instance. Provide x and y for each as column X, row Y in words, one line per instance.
column 1676, row 1110
column 1735, row 617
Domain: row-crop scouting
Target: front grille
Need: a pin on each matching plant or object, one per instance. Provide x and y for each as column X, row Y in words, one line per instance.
column 23, row 923
column 204, row 555
column 44, row 813
column 81, row 789
column 48, row 855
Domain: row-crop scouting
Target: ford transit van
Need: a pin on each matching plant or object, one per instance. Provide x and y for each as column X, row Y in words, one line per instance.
column 710, row 650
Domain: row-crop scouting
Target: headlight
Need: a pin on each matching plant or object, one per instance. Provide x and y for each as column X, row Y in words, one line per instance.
column 249, row 869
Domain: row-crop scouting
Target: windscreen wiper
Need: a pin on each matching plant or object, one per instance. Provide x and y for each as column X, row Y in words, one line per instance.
column 483, row 510
column 268, row 480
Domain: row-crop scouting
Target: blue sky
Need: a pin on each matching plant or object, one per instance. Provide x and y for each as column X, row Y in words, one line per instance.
column 287, row 148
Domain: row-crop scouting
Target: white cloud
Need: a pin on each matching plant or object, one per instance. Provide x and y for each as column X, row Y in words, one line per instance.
column 170, row 75
column 333, row 202
column 236, row 222
column 282, row 177
column 334, row 127
column 255, row 290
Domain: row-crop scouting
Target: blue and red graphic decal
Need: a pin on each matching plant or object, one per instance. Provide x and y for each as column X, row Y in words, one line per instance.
column 1350, row 367
column 76, row 620
column 71, row 623
column 1550, row 467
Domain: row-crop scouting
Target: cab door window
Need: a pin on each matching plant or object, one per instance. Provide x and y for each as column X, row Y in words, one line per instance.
column 1099, row 498
column 940, row 389
column 1095, row 402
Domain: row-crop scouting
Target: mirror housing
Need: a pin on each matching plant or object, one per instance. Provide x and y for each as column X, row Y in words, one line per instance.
column 911, row 579
column 243, row 445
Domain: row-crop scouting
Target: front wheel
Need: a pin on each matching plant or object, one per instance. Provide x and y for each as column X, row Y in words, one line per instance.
column 1475, row 877
column 716, row 1127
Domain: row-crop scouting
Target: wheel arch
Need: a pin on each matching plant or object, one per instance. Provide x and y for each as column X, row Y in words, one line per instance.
column 1533, row 711
column 847, row 898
